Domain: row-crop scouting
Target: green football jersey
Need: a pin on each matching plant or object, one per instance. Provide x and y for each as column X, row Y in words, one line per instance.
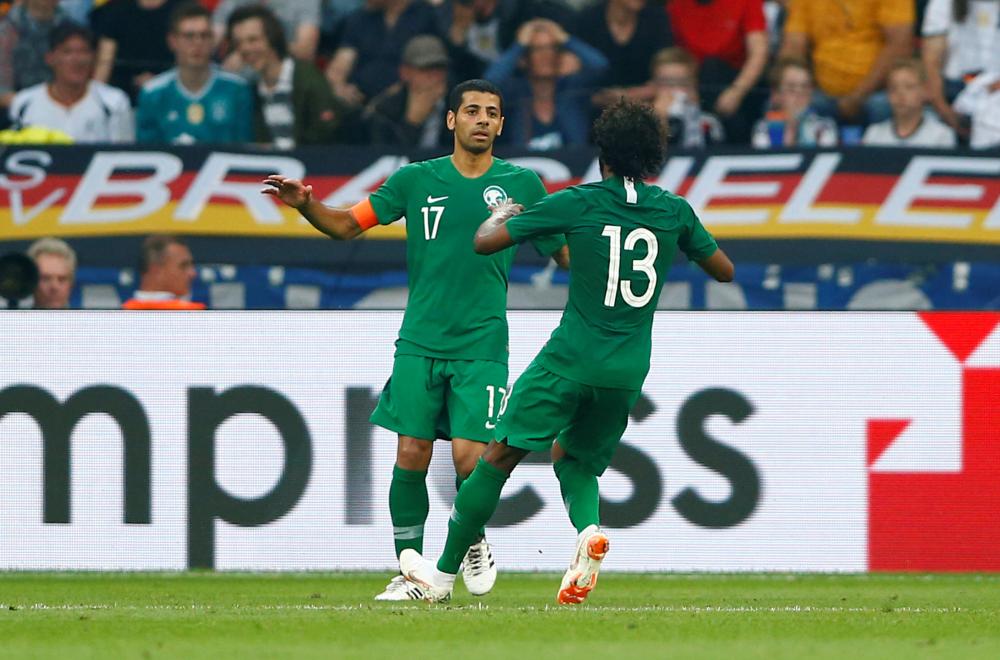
column 457, row 304
column 621, row 236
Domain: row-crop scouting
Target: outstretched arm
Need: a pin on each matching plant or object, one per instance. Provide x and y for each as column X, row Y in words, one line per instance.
column 336, row 223
column 492, row 236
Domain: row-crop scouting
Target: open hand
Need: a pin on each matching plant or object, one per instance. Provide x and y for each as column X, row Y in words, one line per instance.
column 292, row 192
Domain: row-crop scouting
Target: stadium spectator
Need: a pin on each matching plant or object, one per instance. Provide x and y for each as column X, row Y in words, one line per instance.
column 676, row 100
column 299, row 19
column 294, row 104
column 729, row 40
column 411, row 112
column 56, row 263
column 547, row 107
column 980, row 101
column 86, row 110
column 790, row 120
column 851, row 44
column 629, row 33
column 961, row 38
column 479, row 31
column 911, row 125
column 369, row 56
column 194, row 101
column 24, row 40
column 166, row 272
column 133, row 42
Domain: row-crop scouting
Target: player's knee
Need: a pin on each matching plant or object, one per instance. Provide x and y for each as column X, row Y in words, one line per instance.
column 413, row 454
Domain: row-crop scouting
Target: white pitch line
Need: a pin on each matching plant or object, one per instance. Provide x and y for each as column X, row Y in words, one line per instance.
column 666, row 609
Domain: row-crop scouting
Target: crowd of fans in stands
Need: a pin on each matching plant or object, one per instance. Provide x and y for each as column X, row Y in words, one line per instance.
column 769, row 73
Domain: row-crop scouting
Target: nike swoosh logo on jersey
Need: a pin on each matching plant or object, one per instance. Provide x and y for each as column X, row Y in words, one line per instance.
column 431, row 200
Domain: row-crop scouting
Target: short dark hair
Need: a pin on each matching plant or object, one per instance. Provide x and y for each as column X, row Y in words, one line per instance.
column 474, row 85
column 154, row 248
column 184, row 11
column 784, row 64
column 66, row 30
column 630, row 139
column 273, row 30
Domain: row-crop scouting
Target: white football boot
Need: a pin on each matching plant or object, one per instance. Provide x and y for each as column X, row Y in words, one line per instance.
column 581, row 577
column 399, row 588
column 479, row 571
column 435, row 585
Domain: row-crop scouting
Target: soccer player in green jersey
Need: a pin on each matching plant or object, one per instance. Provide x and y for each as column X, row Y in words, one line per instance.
column 581, row 386
column 449, row 375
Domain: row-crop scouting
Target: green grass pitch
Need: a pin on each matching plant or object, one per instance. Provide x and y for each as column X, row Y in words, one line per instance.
column 331, row 615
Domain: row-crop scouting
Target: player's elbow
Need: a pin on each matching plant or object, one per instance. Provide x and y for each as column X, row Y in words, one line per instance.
column 725, row 273
column 481, row 245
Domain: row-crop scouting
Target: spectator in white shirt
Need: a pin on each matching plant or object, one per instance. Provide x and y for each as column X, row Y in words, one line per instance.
column 911, row 125
column 961, row 39
column 86, row 110
column 980, row 100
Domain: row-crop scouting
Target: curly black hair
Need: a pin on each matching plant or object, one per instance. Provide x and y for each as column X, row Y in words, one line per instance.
column 631, row 140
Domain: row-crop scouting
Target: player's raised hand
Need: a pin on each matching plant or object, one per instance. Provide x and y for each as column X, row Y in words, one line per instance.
column 505, row 210
column 292, row 192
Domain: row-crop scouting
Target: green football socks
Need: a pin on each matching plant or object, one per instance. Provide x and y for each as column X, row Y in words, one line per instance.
column 459, row 480
column 408, row 507
column 579, row 493
column 474, row 505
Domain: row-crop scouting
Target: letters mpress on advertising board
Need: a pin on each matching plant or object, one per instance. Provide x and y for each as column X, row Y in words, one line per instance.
column 762, row 441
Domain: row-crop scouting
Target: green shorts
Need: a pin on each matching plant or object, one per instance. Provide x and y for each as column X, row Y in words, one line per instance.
column 586, row 421
column 430, row 398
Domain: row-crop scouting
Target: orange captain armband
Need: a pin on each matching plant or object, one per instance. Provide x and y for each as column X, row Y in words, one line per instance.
column 365, row 214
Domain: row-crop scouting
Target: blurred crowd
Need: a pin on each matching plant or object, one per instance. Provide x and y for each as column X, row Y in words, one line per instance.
column 284, row 73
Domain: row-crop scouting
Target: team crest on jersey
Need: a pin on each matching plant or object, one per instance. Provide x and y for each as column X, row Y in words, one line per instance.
column 494, row 195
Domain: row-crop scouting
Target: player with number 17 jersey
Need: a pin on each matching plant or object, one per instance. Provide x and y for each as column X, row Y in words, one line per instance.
column 457, row 306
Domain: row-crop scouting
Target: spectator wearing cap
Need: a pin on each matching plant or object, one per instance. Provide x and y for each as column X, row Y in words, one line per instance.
column 546, row 100
column 852, row 44
column 194, row 102
column 166, row 272
column 371, row 50
column 24, row 42
column 294, row 103
column 86, row 110
column 411, row 112
column 911, row 125
column 56, row 262
column 299, row 20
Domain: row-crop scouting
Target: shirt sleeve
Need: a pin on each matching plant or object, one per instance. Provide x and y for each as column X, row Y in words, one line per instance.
column 544, row 245
column 389, row 201
column 753, row 18
column 552, row 215
column 695, row 242
column 896, row 12
column 937, row 18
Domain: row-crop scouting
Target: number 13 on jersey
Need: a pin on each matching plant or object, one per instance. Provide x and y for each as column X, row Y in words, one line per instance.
column 644, row 265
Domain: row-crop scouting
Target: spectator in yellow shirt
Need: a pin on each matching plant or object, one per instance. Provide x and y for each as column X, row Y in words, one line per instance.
column 852, row 44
